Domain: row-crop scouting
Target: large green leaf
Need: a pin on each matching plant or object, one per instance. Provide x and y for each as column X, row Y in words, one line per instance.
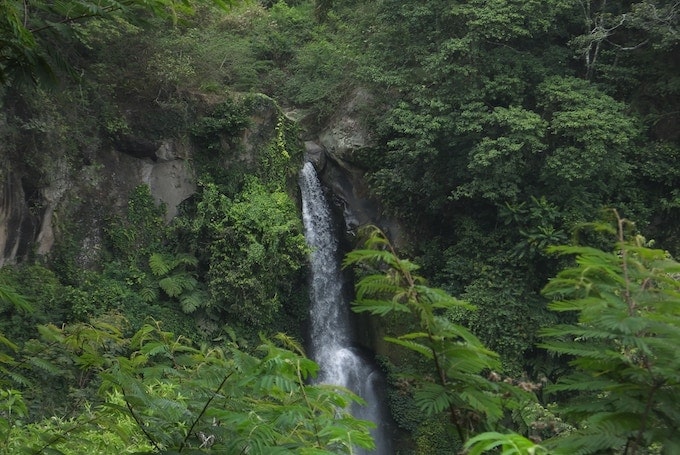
column 433, row 398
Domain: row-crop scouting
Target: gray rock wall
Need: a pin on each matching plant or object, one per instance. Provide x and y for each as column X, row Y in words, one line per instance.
column 333, row 151
column 37, row 205
column 84, row 194
column 18, row 225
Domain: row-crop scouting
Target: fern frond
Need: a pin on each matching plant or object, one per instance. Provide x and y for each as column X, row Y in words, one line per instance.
column 377, row 259
column 192, row 301
column 594, row 438
column 587, row 350
column 171, row 286
column 7, row 343
column 462, row 359
column 373, row 237
column 160, row 264
column 51, row 333
column 148, row 294
column 510, row 444
column 19, row 302
column 432, row 398
column 377, row 286
column 379, row 307
column 580, row 383
column 488, row 404
column 145, row 333
column 17, row 378
column 290, row 343
column 456, row 332
column 186, row 259
column 438, row 298
column 46, row 366
column 186, row 281
column 575, row 305
column 412, row 345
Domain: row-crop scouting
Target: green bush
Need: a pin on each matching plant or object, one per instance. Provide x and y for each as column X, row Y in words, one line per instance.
column 255, row 253
column 221, row 126
column 160, row 393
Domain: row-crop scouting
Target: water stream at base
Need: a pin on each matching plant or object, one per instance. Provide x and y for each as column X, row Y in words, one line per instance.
column 331, row 344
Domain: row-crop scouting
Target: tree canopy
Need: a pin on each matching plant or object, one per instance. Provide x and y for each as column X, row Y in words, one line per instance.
column 35, row 36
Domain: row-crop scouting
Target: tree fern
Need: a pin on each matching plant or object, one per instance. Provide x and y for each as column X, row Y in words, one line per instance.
column 160, row 264
column 176, row 280
column 19, row 302
column 192, row 301
column 173, row 286
column 623, row 347
column 434, row 398
column 148, row 294
column 407, row 342
column 388, row 285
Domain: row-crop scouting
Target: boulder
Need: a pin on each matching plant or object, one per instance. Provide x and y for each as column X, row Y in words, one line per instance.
column 333, row 155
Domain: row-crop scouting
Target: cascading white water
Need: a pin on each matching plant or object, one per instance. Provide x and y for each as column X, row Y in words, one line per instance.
column 331, row 331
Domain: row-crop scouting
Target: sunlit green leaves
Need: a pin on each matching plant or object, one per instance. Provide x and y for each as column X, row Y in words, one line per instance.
column 169, row 395
column 502, row 160
column 589, row 132
column 434, row 398
column 407, row 342
column 255, row 249
column 508, row 444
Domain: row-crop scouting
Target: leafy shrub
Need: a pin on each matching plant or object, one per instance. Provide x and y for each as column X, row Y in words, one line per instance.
column 40, row 288
column 623, row 348
column 133, row 237
column 506, row 318
column 161, row 394
column 457, row 358
column 224, row 123
column 255, row 253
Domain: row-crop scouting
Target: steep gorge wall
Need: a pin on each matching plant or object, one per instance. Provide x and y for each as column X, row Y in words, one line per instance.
column 32, row 213
column 76, row 194
column 18, row 226
column 332, row 151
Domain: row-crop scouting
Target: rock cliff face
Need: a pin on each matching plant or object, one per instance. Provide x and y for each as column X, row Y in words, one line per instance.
column 18, row 226
column 31, row 214
column 332, row 151
column 82, row 193
column 67, row 193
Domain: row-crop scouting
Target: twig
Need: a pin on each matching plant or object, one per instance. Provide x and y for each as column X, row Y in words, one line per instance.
column 309, row 405
column 66, row 20
column 140, row 424
column 205, row 408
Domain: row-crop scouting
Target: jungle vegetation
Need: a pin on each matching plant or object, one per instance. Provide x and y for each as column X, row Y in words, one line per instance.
column 529, row 149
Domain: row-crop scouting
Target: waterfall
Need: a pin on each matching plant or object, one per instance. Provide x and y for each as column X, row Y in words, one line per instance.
column 331, row 343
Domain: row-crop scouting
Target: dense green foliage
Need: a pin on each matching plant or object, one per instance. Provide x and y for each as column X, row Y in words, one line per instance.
column 35, row 36
column 623, row 348
column 253, row 251
column 457, row 357
column 620, row 395
column 498, row 128
column 497, row 135
column 160, row 393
